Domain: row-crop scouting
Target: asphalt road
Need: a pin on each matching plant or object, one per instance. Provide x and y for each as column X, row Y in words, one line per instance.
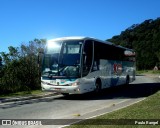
column 80, row 106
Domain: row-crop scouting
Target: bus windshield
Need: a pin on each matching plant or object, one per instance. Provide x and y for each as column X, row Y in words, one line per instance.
column 62, row 59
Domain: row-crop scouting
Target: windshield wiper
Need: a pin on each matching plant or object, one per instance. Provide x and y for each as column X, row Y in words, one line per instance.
column 49, row 74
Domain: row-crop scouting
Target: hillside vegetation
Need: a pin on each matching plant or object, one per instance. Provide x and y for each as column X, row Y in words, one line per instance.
column 144, row 38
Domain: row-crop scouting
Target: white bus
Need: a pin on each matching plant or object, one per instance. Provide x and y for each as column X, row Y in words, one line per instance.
column 77, row 65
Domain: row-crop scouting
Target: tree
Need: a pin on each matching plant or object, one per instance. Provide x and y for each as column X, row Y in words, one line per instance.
column 1, row 63
column 20, row 70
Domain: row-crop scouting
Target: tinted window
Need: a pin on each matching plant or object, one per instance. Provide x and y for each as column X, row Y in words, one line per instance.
column 87, row 57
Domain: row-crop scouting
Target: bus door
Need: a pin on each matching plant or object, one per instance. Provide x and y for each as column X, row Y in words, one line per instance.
column 87, row 60
column 87, row 57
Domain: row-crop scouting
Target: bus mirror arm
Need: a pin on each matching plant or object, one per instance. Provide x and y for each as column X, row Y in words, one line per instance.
column 39, row 56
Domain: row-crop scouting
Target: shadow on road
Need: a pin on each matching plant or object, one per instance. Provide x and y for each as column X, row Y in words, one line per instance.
column 130, row 91
column 140, row 75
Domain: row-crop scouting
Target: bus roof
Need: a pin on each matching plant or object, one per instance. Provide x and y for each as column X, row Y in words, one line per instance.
column 87, row 38
column 79, row 38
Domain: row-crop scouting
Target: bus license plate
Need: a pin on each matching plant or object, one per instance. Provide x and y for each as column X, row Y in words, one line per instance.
column 57, row 88
column 52, row 81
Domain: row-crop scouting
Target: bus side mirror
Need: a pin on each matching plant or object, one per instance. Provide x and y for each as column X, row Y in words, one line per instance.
column 39, row 58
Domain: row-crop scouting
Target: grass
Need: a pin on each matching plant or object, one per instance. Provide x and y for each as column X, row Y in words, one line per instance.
column 23, row 93
column 146, row 109
column 148, row 72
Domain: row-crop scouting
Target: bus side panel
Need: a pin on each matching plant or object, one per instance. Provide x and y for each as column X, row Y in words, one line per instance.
column 108, row 74
column 129, row 69
column 103, row 73
column 105, row 68
column 87, row 84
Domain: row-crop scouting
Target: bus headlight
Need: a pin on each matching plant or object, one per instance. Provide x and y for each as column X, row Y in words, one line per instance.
column 75, row 84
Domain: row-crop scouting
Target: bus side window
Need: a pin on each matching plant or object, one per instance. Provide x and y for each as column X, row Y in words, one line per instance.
column 95, row 65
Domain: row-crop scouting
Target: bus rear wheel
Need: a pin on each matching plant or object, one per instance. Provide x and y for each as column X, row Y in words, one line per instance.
column 127, row 80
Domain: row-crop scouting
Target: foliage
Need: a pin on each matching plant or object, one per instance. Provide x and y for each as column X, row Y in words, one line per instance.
column 154, row 72
column 144, row 38
column 20, row 71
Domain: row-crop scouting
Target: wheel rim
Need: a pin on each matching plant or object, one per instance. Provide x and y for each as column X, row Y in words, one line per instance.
column 97, row 87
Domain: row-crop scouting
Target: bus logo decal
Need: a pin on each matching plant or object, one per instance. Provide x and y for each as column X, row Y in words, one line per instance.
column 117, row 68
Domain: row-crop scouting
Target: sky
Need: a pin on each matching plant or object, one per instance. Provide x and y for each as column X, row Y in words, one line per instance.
column 24, row 20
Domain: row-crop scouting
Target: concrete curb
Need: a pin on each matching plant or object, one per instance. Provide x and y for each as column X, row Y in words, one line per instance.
column 23, row 98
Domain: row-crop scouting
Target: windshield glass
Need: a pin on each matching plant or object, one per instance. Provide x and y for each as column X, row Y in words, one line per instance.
column 62, row 59
column 53, row 47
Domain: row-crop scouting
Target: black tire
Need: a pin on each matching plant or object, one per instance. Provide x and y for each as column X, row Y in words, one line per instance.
column 98, row 86
column 127, row 80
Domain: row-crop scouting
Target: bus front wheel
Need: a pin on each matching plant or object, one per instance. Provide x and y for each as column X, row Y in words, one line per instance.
column 127, row 80
column 98, row 86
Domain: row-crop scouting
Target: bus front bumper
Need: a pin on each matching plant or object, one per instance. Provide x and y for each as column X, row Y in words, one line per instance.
column 61, row 89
